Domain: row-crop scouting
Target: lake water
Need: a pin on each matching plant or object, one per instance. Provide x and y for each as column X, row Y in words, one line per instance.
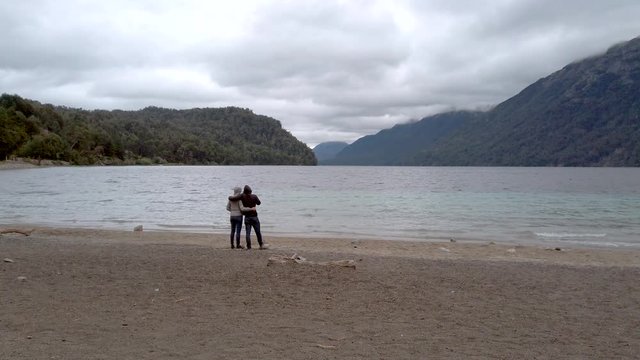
column 555, row 206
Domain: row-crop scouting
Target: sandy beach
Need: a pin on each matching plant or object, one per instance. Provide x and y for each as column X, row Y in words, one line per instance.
column 98, row 294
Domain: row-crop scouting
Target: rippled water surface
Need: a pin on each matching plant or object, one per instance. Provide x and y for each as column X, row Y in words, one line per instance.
column 592, row 206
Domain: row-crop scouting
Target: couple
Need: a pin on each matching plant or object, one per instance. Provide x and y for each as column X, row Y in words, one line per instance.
column 240, row 204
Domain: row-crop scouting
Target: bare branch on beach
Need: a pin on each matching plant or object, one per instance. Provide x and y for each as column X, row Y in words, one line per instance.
column 17, row 231
column 296, row 259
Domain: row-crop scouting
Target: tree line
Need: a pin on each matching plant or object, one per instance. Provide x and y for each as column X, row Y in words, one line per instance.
column 153, row 135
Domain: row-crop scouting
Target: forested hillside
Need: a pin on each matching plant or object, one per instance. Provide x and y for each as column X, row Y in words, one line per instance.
column 328, row 150
column 586, row 114
column 150, row 136
column 400, row 144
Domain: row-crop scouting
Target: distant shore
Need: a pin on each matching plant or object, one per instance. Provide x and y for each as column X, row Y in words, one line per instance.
column 21, row 163
column 93, row 294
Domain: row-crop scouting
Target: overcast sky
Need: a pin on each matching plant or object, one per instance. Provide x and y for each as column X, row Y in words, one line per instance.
column 327, row 69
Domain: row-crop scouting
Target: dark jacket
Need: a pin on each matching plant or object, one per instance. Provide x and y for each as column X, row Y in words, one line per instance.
column 249, row 200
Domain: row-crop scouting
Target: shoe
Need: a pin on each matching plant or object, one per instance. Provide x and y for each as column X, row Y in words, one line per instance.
column 239, row 247
column 232, row 247
column 264, row 246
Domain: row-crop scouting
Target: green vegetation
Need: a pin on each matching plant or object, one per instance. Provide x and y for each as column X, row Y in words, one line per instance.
column 224, row 136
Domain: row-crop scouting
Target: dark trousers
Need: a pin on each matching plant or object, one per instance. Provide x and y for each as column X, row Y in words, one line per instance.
column 236, row 228
column 249, row 222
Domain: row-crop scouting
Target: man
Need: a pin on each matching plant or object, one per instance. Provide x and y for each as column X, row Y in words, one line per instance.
column 248, row 203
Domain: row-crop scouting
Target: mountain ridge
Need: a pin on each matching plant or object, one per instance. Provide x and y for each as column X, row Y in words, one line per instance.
column 328, row 149
column 406, row 138
column 585, row 114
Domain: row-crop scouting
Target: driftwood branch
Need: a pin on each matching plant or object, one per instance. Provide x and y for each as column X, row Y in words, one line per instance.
column 17, row 231
column 297, row 259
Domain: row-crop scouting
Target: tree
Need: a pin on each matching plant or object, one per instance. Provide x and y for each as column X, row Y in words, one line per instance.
column 12, row 134
column 44, row 146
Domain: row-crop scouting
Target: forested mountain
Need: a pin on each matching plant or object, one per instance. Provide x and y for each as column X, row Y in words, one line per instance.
column 328, row 150
column 399, row 145
column 586, row 114
column 153, row 135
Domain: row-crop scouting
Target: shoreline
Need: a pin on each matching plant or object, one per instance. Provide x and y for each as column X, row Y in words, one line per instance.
column 433, row 249
column 21, row 163
column 96, row 294
column 528, row 243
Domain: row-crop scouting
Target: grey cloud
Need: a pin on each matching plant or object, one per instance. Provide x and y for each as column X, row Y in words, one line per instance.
column 313, row 41
column 328, row 70
column 80, row 36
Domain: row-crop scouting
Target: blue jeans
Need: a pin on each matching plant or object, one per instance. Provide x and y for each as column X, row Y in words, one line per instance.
column 236, row 228
column 249, row 222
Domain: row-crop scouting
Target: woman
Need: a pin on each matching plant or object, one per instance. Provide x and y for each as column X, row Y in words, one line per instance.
column 248, row 202
column 233, row 206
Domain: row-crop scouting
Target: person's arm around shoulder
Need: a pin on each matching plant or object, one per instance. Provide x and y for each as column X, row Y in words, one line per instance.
column 235, row 197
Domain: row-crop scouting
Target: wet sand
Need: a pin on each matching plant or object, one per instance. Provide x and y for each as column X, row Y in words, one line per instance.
column 96, row 294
